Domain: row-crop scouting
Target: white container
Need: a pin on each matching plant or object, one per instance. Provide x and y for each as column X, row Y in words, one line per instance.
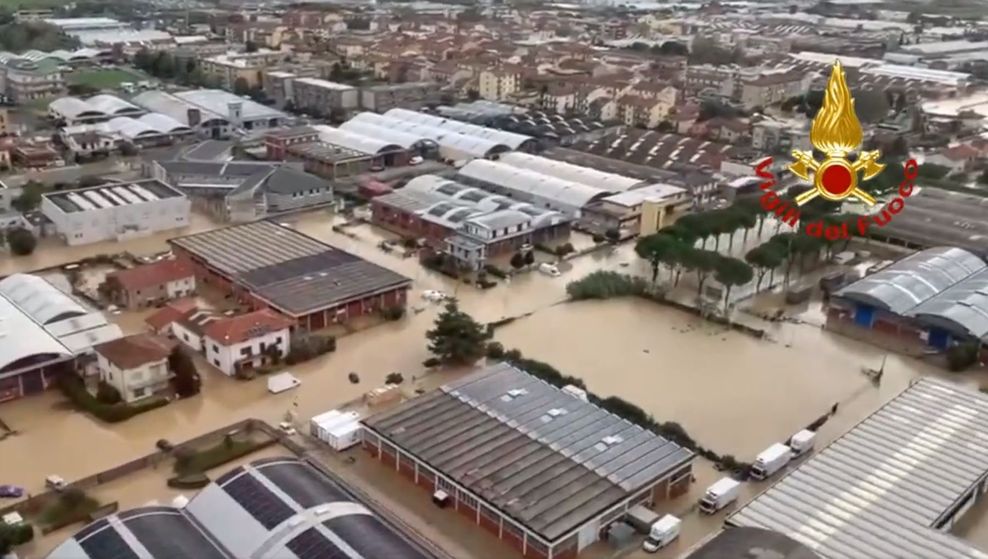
column 770, row 461
column 340, row 430
column 549, row 269
column 663, row 532
column 802, row 442
column 282, row 382
column 722, row 493
column 576, row 392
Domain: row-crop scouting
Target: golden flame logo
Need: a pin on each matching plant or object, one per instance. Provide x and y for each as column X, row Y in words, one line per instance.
column 836, row 131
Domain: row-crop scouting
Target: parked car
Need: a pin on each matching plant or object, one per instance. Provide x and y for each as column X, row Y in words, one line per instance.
column 415, row 160
column 549, row 269
column 434, row 295
column 11, row 492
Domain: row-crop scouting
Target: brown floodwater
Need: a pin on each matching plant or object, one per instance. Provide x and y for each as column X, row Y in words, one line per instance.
column 733, row 393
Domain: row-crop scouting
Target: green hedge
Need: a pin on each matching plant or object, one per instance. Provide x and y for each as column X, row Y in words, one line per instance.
column 75, row 390
column 216, row 455
column 19, row 534
column 605, row 285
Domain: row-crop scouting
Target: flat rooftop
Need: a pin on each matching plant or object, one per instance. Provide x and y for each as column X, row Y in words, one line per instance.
column 296, row 273
column 112, row 195
column 330, row 153
column 936, row 217
column 884, row 488
column 545, row 458
column 660, row 149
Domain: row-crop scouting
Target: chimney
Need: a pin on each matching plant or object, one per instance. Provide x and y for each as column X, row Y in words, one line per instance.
column 235, row 113
column 194, row 117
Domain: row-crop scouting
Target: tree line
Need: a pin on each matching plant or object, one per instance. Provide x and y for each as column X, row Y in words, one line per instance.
column 163, row 65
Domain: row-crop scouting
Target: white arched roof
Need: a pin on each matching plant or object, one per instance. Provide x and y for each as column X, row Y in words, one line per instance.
column 21, row 337
column 130, row 128
column 915, row 279
column 510, row 139
column 534, row 184
column 72, row 107
column 570, row 172
column 352, row 140
column 471, row 145
column 962, row 308
column 162, row 123
column 110, row 104
column 41, row 300
column 375, row 128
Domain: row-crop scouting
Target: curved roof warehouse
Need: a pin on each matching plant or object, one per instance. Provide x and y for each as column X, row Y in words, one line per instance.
column 943, row 287
column 277, row 508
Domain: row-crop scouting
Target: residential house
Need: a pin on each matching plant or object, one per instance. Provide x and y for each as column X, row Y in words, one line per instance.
column 959, row 158
column 160, row 322
column 726, row 130
column 603, row 109
column 86, row 141
column 772, row 87
column 136, row 366
column 643, row 112
column 246, row 66
column 683, row 117
column 35, row 153
column 412, row 96
column 248, row 341
column 150, row 284
column 559, row 98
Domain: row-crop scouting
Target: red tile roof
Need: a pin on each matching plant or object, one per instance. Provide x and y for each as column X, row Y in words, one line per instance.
column 236, row 329
column 960, row 152
column 133, row 351
column 150, row 275
column 170, row 313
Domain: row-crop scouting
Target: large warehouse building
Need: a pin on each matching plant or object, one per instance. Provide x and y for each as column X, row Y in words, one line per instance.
column 890, row 487
column 116, row 211
column 277, row 508
column 42, row 332
column 936, row 297
column 543, row 469
column 270, row 266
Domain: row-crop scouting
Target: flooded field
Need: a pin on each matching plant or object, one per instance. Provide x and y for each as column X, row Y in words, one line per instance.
column 731, row 392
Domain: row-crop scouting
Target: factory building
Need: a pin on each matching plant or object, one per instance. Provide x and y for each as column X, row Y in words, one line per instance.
column 266, row 265
column 890, row 487
column 115, row 211
column 468, row 224
column 42, row 333
column 540, row 467
column 212, row 113
column 275, row 507
column 934, row 298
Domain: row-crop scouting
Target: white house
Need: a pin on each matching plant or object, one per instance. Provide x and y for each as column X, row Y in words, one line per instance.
column 116, row 211
column 137, row 366
column 244, row 342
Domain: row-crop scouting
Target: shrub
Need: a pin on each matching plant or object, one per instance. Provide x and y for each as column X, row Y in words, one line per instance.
column 604, row 285
column 74, row 389
column 309, row 346
column 393, row 313
column 495, row 350
column 564, row 249
column 512, row 355
column 598, row 238
column 189, row 481
column 108, row 394
column 431, row 362
column 962, row 356
column 612, row 235
column 19, row 534
column 21, row 241
column 495, row 271
column 394, row 378
column 198, row 461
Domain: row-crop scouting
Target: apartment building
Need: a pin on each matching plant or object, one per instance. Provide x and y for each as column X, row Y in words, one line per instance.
column 498, row 84
column 230, row 67
column 323, row 96
column 412, row 96
column 23, row 80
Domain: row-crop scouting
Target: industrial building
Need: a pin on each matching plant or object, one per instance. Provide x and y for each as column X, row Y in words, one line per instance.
column 935, row 217
column 115, row 211
column 43, row 331
column 469, row 224
column 337, row 152
column 239, row 191
column 275, row 507
column 542, row 468
column 457, row 141
column 932, row 298
column 890, row 487
column 735, row 543
column 267, row 265
column 72, row 110
column 212, row 113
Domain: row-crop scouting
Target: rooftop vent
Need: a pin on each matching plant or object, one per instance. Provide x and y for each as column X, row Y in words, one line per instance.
column 556, row 412
column 612, row 440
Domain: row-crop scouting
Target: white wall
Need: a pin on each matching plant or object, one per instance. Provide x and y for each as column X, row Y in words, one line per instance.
column 225, row 357
column 186, row 336
column 105, row 224
column 150, row 377
column 181, row 288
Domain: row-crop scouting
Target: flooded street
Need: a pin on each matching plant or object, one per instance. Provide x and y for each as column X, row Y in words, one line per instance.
column 732, row 393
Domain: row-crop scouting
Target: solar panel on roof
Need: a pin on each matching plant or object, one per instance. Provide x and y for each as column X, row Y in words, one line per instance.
column 256, row 499
column 369, row 537
column 304, row 485
column 310, row 544
column 95, row 526
column 107, row 544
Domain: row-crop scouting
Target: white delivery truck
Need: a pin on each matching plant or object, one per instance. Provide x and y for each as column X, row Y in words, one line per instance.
column 662, row 533
column 722, row 493
column 802, row 442
column 771, row 460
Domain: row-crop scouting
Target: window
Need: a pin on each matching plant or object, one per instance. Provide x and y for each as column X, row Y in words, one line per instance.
column 216, row 362
column 185, row 336
column 140, row 392
column 216, row 348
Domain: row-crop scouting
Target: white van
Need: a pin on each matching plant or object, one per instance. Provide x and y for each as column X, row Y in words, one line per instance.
column 663, row 532
column 549, row 269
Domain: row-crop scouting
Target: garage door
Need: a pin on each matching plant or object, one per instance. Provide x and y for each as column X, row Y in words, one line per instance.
column 864, row 316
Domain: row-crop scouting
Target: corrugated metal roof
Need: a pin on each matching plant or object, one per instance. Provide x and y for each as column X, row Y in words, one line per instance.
column 914, row 279
column 564, row 195
column 963, row 307
column 543, row 457
column 878, row 490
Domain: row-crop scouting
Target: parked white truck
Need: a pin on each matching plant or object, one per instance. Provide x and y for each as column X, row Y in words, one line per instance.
column 771, row 460
column 802, row 442
column 722, row 493
column 662, row 533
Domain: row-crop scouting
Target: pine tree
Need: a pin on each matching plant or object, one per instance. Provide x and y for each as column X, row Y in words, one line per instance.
column 457, row 338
